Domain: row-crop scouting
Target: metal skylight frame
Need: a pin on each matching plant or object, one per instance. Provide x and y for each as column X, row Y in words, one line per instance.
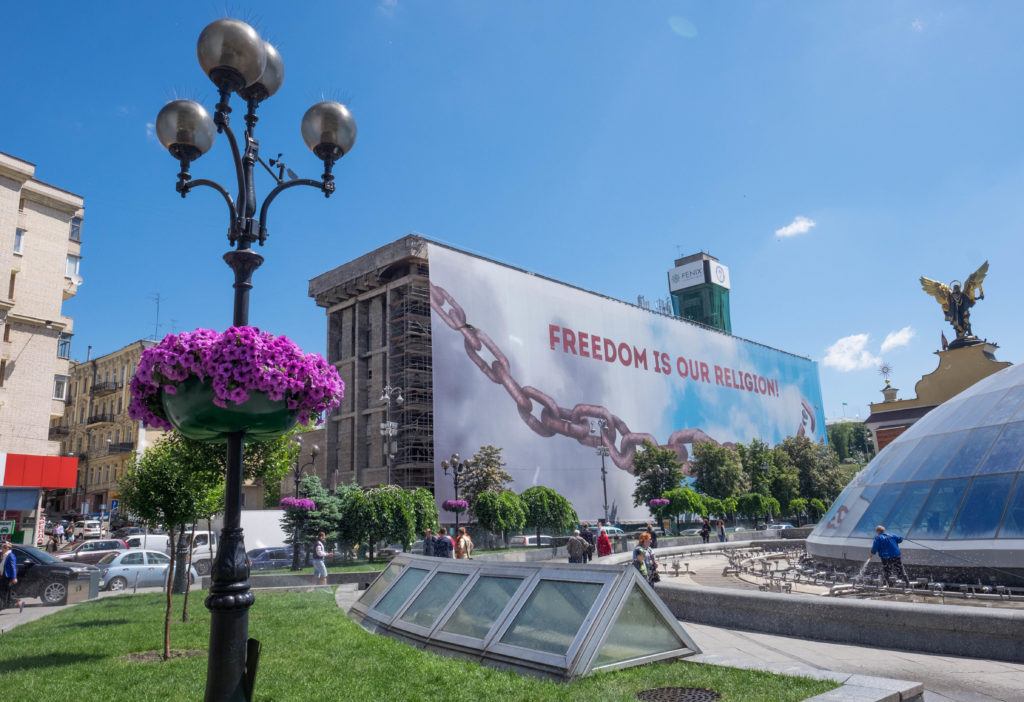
column 617, row 582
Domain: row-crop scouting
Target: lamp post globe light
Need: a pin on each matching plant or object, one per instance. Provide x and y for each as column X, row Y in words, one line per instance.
column 389, row 429
column 298, row 471
column 237, row 60
column 457, row 467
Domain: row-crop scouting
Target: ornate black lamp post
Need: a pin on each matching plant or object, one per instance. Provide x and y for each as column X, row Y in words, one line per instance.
column 458, row 467
column 238, row 61
column 389, row 429
column 297, row 473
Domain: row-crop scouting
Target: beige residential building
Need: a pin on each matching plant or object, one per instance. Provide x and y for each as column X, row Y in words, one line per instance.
column 96, row 427
column 40, row 253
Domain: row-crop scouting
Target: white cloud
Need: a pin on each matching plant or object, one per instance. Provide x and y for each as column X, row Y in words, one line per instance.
column 898, row 338
column 850, row 353
column 917, row 25
column 150, row 130
column 800, row 225
column 387, row 7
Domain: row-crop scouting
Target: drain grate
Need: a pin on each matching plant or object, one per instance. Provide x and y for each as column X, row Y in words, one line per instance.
column 677, row 694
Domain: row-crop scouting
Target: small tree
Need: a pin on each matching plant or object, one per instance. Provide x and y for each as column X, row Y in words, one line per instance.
column 392, row 517
column 657, row 471
column 683, row 501
column 324, row 516
column 425, row 508
column 353, row 515
column 161, row 489
column 718, row 470
column 713, row 506
column 484, row 472
column 500, row 512
column 752, row 504
column 798, row 508
column 816, row 507
column 729, row 506
column 546, row 509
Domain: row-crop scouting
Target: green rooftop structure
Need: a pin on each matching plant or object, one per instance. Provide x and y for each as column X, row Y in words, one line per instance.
column 699, row 285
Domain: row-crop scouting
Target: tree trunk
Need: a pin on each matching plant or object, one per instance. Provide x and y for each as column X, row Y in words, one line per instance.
column 167, row 609
column 188, row 576
column 538, row 537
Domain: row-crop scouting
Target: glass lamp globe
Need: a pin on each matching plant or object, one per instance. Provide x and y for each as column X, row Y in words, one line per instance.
column 270, row 80
column 185, row 129
column 231, row 53
column 329, row 130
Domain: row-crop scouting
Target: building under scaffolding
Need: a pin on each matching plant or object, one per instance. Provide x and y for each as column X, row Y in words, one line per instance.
column 378, row 333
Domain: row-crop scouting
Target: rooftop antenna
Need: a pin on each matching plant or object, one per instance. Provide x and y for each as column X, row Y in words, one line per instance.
column 155, row 297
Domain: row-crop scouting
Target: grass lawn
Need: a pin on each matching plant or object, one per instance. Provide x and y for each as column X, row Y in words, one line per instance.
column 357, row 567
column 311, row 651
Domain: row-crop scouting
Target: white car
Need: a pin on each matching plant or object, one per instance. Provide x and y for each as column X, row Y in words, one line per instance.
column 529, row 540
column 89, row 529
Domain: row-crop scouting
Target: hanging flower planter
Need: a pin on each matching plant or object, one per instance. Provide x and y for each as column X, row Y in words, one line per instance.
column 207, row 385
column 455, row 506
column 657, row 503
column 303, row 503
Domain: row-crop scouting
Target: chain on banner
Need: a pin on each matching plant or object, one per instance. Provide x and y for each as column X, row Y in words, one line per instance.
column 575, row 423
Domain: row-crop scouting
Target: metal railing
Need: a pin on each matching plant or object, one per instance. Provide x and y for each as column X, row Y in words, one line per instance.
column 100, row 418
column 105, row 386
column 58, row 431
column 121, row 447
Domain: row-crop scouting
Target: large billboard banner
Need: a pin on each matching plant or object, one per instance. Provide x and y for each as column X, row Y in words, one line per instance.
column 549, row 372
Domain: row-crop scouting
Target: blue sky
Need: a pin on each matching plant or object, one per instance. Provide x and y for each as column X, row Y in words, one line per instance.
column 592, row 142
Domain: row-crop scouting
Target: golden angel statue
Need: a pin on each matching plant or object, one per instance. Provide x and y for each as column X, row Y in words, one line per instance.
column 957, row 303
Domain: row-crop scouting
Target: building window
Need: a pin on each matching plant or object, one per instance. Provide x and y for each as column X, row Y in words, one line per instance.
column 21, row 205
column 64, row 345
column 60, row 387
column 10, row 285
column 76, row 229
column 7, row 332
column 72, row 266
column 3, row 371
column 19, row 241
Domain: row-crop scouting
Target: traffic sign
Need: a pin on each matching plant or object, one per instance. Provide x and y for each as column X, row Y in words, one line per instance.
column 7, row 527
column 113, row 505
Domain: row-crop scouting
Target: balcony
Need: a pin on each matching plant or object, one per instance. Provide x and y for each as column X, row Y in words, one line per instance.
column 105, row 387
column 121, row 447
column 58, row 432
column 100, row 418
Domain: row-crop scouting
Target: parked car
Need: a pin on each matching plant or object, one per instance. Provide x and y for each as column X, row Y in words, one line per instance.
column 89, row 529
column 158, row 542
column 123, row 569
column 91, row 551
column 43, row 576
column 609, row 530
column 781, row 525
column 690, row 532
column 269, row 558
column 125, row 532
column 529, row 540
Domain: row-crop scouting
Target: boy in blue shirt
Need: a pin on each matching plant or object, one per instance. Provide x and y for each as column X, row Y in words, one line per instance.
column 888, row 549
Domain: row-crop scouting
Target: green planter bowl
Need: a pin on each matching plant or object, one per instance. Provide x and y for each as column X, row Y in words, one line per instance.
column 191, row 411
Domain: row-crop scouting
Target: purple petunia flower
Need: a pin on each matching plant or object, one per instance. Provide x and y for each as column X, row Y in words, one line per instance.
column 455, row 506
column 236, row 363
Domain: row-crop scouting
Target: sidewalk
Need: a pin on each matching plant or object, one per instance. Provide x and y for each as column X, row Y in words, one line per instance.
column 34, row 609
column 945, row 678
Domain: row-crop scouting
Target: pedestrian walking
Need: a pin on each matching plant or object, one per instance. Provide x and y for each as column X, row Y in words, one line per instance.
column 59, row 532
column 604, row 544
column 644, row 560
column 463, row 544
column 444, row 547
column 51, row 544
column 8, row 575
column 588, row 536
column 428, row 542
column 654, row 535
column 721, row 531
column 577, row 547
column 319, row 554
column 705, row 530
column 887, row 547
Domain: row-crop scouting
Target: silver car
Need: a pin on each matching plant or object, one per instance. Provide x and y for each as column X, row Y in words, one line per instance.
column 137, row 567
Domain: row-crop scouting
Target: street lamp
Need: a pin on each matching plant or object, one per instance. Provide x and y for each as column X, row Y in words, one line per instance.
column 237, row 60
column 389, row 429
column 603, row 452
column 298, row 472
column 458, row 467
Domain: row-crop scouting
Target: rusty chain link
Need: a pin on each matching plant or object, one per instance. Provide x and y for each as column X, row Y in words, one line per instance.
column 554, row 419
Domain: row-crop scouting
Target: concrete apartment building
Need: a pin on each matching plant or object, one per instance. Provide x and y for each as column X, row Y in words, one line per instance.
column 96, row 427
column 40, row 254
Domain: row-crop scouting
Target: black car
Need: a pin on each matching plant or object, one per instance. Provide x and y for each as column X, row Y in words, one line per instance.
column 270, row 558
column 43, row 576
column 125, row 532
